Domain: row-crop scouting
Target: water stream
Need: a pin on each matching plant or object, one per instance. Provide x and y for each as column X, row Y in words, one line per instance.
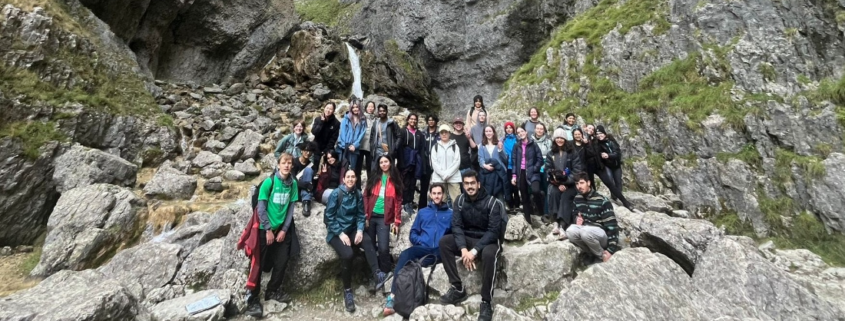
column 356, row 72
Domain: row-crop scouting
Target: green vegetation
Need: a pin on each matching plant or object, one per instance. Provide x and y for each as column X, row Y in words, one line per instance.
column 31, row 261
column 32, row 134
column 790, row 32
column 811, row 165
column 748, row 154
column 768, row 71
column 808, row 232
column 527, row 303
column 329, row 12
column 403, row 60
column 56, row 9
column 734, row 225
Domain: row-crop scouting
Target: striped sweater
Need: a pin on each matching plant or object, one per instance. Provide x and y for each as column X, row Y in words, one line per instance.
column 597, row 211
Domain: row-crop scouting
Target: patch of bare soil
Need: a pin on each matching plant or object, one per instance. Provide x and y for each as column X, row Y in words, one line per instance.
column 14, row 274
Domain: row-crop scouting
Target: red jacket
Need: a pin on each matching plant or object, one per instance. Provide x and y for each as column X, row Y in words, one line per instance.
column 249, row 243
column 392, row 203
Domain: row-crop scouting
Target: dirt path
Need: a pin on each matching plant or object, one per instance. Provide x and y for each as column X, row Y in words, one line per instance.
column 13, row 278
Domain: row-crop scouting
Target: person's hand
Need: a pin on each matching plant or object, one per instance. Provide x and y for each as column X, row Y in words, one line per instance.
column 384, row 147
column 345, row 239
column 394, row 228
column 468, row 260
column 605, row 256
column 488, row 167
column 513, row 181
column 352, row 148
column 359, row 237
column 269, row 237
column 562, row 188
column 579, row 220
column 585, row 140
column 323, row 116
column 367, row 224
column 280, row 237
column 323, row 168
column 501, row 147
column 604, row 155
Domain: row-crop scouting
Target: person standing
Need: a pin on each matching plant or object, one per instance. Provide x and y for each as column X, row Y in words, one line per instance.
column 527, row 161
column 352, row 130
column 383, row 204
column 431, row 224
column 345, row 220
column 366, row 153
column 445, row 164
column 611, row 157
column 290, row 143
column 384, row 136
column 561, row 166
column 472, row 113
column 568, row 126
column 477, row 135
column 511, row 192
column 459, row 135
column 411, row 161
column 476, row 232
column 545, row 145
column 492, row 161
column 595, row 230
column 431, row 137
column 533, row 120
column 326, row 129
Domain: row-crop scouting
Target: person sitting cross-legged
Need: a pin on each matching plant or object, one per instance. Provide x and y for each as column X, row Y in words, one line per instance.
column 595, row 230
column 431, row 224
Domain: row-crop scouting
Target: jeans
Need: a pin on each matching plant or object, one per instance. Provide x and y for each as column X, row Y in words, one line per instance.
column 616, row 175
column 274, row 257
column 591, row 239
column 413, row 253
column 488, row 255
column 346, row 253
column 615, row 190
column 305, row 182
column 379, row 233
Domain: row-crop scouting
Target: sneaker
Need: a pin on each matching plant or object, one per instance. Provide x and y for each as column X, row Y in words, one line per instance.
column 454, row 296
column 306, row 208
column 253, row 307
column 349, row 300
column 388, row 306
column 485, row 312
column 381, row 279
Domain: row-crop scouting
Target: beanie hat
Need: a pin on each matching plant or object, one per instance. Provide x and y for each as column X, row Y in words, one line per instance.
column 510, row 123
column 559, row 133
column 600, row 129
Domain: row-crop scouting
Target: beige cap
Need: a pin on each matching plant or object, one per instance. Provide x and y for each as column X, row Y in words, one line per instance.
column 444, row 127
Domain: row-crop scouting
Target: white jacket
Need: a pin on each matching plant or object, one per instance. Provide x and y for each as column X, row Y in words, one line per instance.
column 445, row 161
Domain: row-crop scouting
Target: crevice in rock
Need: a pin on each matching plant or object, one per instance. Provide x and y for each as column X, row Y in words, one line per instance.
column 656, row 244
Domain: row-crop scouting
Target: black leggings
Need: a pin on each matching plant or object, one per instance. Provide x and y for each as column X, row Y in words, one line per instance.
column 533, row 203
column 379, row 234
column 346, row 253
column 607, row 179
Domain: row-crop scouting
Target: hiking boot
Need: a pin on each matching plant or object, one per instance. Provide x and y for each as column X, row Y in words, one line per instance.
column 381, row 279
column 388, row 306
column 349, row 300
column 306, row 208
column 485, row 312
column 278, row 296
column 254, row 307
column 454, row 296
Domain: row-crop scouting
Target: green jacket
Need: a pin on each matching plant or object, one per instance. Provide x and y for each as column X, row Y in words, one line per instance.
column 344, row 212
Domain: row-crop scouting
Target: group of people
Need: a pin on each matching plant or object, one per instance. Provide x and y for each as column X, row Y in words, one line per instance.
column 470, row 181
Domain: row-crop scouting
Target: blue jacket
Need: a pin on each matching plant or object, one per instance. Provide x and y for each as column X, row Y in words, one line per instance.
column 350, row 134
column 342, row 215
column 507, row 144
column 431, row 224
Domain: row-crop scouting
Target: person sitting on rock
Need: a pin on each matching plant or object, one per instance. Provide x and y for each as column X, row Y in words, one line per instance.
column 290, row 143
column 330, row 176
column 277, row 239
column 345, row 221
column 304, row 172
column 476, row 232
column 430, row 225
column 561, row 166
column 383, row 205
column 595, row 230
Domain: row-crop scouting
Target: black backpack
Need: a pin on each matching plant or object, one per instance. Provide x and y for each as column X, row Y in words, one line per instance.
column 503, row 226
column 257, row 188
column 411, row 289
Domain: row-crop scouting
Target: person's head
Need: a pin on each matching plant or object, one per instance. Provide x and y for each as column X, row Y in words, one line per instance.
column 533, row 113
column 285, row 164
column 299, row 127
column 384, row 164
column 382, row 111
column 510, row 128
column 349, row 179
column 445, row 133
column 482, row 116
column 570, row 119
column 521, row 134
column 577, row 135
column 411, row 120
column 355, row 109
column 435, row 191
column 591, row 130
column 478, row 101
column 601, row 134
column 307, row 149
column 458, row 124
column 329, row 109
column 539, row 130
column 489, row 136
column 582, row 182
column 370, row 107
column 331, row 157
column 470, row 181
column 559, row 137
column 431, row 121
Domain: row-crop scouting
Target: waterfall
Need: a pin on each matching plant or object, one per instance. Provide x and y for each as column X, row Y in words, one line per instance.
column 356, row 72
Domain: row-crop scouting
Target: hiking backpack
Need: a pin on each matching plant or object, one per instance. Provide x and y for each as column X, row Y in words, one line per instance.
column 257, row 190
column 411, row 287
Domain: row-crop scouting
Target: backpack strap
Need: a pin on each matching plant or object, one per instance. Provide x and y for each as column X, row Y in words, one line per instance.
column 430, row 273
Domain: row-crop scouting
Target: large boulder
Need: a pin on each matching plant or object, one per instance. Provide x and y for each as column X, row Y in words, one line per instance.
column 81, row 166
column 89, row 224
column 682, row 240
column 438, row 312
column 635, row 284
column 518, row 229
column 27, row 194
column 205, row 158
column 318, row 260
column 746, row 285
column 648, row 202
column 244, row 146
column 812, row 272
column 522, row 265
column 87, row 295
column 145, row 267
column 174, row 309
column 170, row 183
column 200, row 265
column 828, row 195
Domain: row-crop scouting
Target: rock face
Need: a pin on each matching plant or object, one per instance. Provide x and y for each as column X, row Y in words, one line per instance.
column 86, row 295
column 203, row 41
column 828, row 195
column 522, row 265
column 144, row 268
column 81, row 166
column 170, row 183
column 87, row 224
column 175, row 309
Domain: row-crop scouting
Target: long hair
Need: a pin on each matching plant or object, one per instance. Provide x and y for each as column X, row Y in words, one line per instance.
column 557, row 149
column 392, row 175
column 484, row 140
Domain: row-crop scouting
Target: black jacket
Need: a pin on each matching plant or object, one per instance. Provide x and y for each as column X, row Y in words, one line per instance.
column 533, row 160
column 325, row 132
column 463, row 145
column 430, row 140
column 568, row 159
column 413, row 147
column 614, row 153
column 480, row 219
column 592, row 156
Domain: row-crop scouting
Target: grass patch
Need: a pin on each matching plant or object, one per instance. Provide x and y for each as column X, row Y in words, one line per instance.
column 528, row 303
column 812, row 166
column 56, row 9
column 31, row 261
column 329, row 12
column 748, row 154
column 808, row 232
column 33, row 135
column 768, row 71
column 733, row 224
column 403, row 60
